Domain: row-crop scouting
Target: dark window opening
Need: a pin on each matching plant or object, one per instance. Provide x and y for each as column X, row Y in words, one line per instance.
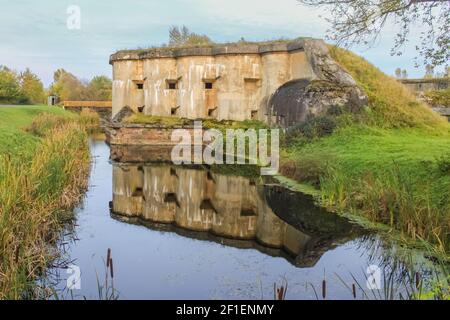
column 171, row 198
column 207, row 205
column 137, row 192
column 140, row 86
column 254, row 114
column 141, row 109
column 173, row 111
column 172, row 85
column 247, row 212
column 173, row 172
column 208, row 85
column 212, row 112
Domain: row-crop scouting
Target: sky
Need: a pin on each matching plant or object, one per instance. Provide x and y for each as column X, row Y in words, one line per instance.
column 35, row 34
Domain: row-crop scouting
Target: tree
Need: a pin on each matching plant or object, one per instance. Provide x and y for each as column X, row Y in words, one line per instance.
column 361, row 22
column 184, row 37
column 10, row 90
column 429, row 71
column 32, row 87
column 398, row 73
column 404, row 74
column 67, row 87
column 99, row 88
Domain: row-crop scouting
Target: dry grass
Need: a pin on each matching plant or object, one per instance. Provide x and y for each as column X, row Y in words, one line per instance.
column 391, row 104
column 35, row 194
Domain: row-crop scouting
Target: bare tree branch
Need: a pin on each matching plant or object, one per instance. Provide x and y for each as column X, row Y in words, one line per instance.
column 361, row 22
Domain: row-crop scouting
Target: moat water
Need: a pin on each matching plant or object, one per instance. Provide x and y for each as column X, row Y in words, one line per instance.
column 193, row 233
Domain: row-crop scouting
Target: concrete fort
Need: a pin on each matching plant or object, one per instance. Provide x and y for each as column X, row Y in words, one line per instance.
column 277, row 82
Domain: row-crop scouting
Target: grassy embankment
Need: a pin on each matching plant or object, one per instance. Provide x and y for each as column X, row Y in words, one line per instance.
column 44, row 163
column 390, row 163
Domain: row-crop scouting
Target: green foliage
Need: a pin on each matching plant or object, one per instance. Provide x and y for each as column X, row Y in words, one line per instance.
column 68, row 87
column 443, row 163
column 439, row 98
column 32, row 87
column 10, row 89
column 99, row 89
column 21, row 88
column 171, row 122
column 182, row 36
column 313, row 127
column 157, row 120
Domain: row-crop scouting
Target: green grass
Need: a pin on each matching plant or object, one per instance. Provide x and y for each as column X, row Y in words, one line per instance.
column 390, row 163
column 13, row 121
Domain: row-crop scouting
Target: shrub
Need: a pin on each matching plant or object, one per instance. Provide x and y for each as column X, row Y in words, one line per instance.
column 312, row 127
column 307, row 168
column 443, row 163
column 439, row 97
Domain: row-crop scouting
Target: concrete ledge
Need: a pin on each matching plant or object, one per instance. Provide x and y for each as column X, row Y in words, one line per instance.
column 141, row 154
column 442, row 110
column 141, row 135
column 212, row 50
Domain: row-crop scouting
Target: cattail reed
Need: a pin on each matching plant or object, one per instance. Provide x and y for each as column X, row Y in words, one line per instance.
column 111, row 268
column 324, row 288
column 108, row 257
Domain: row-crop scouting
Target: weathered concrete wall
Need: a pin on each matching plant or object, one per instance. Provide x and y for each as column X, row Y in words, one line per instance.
column 424, row 85
column 141, row 134
column 104, row 113
column 233, row 82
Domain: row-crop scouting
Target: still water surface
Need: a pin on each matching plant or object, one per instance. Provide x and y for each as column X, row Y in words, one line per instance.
column 190, row 233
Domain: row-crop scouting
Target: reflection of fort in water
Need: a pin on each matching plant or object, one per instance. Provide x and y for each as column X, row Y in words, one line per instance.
column 231, row 210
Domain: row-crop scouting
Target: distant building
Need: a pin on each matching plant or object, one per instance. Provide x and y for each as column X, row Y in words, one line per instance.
column 52, row 100
column 426, row 84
